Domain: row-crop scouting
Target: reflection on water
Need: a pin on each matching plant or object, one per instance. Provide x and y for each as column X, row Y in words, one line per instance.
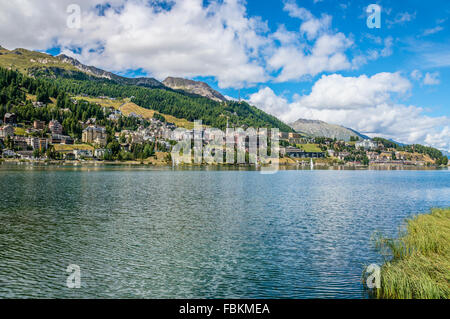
column 201, row 233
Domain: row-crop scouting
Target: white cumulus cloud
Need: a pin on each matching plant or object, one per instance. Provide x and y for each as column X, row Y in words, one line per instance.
column 431, row 78
column 322, row 51
column 188, row 39
column 364, row 103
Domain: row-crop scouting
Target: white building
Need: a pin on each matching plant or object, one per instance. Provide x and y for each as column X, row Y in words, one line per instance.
column 100, row 152
column 6, row 131
column 82, row 154
column 366, row 144
column 8, row 153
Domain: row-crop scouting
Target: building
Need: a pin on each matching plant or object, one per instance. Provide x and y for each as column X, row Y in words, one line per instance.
column 10, row 118
column 137, row 138
column 343, row 155
column 43, row 144
column 37, row 143
column 55, row 127
column 61, row 139
column 385, row 156
column 69, row 156
column 95, row 135
column 298, row 153
column 283, row 135
column 33, row 142
column 27, row 155
column 100, row 152
column 39, row 125
column 8, row 153
column 294, row 135
column 400, row 156
column 20, row 142
column 79, row 154
column 366, row 144
column 372, row 156
column 6, row 131
column 113, row 117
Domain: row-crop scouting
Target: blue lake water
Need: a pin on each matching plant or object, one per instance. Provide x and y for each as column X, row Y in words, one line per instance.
column 162, row 233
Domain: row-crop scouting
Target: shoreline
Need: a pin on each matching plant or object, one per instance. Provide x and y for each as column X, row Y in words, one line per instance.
column 282, row 166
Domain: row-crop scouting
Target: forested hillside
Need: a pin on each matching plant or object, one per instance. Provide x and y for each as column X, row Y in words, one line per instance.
column 432, row 152
column 68, row 75
column 15, row 88
column 182, row 105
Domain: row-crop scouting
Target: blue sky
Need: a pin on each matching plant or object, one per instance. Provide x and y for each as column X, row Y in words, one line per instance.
column 410, row 43
column 314, row 59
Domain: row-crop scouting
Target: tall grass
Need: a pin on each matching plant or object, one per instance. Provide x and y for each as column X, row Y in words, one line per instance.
column 419, row 265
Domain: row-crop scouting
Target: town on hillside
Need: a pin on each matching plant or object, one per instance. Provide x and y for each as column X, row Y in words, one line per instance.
column 109, row 135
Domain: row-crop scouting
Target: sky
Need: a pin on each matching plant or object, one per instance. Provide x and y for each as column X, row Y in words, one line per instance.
column 313, row 59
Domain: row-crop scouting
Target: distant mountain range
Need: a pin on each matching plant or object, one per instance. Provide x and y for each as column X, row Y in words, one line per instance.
column 316, row 128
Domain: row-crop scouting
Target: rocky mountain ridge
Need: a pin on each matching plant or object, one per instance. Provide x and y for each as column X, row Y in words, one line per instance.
column 195, row 87
column 317, row 128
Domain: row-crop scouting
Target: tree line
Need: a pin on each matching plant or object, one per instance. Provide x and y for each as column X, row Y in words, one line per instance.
column 179, row 104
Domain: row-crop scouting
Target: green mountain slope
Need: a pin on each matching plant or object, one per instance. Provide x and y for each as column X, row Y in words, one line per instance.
column 71, row 76
column 25, row 61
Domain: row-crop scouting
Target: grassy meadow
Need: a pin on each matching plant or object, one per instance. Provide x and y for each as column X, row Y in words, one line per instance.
column 127, row 107
column 69, row 148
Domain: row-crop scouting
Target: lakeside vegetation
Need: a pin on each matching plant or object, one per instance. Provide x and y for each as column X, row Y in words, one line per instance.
column 420, row 264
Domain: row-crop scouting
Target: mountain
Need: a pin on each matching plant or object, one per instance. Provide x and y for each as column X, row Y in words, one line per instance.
column 322, row 129
column 65, row 74
column 195, row 87
column 96, row 72
column 40, row 64
column 24, row 60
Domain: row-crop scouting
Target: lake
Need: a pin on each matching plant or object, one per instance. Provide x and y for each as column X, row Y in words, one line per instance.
column 201, row 233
